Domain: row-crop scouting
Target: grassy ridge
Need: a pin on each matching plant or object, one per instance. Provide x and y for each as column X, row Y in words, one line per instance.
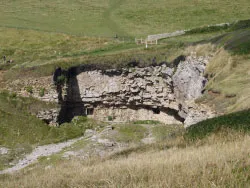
column 110, row 17
column 239, row 121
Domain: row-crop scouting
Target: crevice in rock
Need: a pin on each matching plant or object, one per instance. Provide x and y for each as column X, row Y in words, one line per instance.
column 72, row 105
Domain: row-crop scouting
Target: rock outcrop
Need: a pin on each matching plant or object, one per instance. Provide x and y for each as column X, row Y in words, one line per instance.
column 49, row 116
column 160, row 93
column 164, row 93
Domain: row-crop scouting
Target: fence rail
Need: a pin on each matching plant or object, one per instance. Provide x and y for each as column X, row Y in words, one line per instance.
column 146, row 41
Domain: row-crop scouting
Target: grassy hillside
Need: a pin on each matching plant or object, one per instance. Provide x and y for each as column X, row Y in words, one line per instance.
column 110, row 17
column 20, row 131
column 228, row 72
column 220, row 159
column 238, row 121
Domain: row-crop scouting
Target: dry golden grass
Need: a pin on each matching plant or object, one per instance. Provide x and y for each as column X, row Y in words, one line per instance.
column 201, row 49
column 218, row 163
column 228, row 75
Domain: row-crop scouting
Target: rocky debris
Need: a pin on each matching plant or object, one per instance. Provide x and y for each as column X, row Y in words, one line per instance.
column 49, row 116
column 106, row 142
column 89, row 132
column 194, row 113
column 101, row 144
column 3, row 150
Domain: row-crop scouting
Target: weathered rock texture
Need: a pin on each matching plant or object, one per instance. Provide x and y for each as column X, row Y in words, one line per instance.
column 43, row 83
column 151, row 93
column 160, row 93
column 49, row 116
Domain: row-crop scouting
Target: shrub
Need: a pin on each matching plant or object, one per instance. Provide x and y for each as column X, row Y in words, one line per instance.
column 61, row 80
column 13, row 95
column 110, row 118
column 42, row 92
column 29, row 89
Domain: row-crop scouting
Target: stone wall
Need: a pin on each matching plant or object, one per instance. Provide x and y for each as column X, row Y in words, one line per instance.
column 165, row 35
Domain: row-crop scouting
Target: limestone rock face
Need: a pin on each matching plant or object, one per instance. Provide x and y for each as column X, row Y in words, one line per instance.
column 49, row 93
column 156, row 92
column 161, row 93
column 188, row 81
column 49, row 116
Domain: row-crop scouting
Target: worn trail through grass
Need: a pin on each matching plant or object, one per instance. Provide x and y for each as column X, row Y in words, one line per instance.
column 40, row 151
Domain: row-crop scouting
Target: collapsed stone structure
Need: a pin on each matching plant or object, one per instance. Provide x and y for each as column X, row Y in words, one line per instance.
column 160, row 93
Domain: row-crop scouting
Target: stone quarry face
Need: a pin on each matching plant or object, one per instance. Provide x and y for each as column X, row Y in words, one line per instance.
column 151, row 93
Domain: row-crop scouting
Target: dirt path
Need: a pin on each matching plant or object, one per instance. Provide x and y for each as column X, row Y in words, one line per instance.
column 149, row 139
column 47, row 150
column 96, row 139
column 39, row 152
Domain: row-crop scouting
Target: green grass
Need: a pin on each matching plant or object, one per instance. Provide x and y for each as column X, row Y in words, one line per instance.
column 34, row 48
column 130, row 133
column 164, row 132
column 242, row 24
column 40, row 54
column 20, row 131
column 37, row 53
column 110, row 17
column 239, row 121
column 146, row 122
column 19, row 127
column 227, row 71
column 237, row 42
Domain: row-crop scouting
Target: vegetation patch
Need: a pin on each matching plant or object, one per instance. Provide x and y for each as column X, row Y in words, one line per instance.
column 146, row 122
column 165, row 132
column 20, row 131
column 237, row 42
column 131, row 133
column 226, row 27
column 239, row 121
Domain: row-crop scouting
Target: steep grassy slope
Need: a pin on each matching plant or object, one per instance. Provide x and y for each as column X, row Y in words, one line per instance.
column 239, row 121
column 228, row 72
column 111, row 17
